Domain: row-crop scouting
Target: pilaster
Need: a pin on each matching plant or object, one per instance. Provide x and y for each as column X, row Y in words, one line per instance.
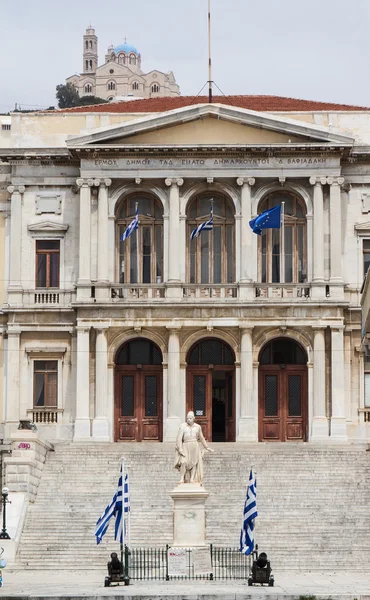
column 336, row 262
column 247, row 430
column 175, row 410
column 13, row 381
column 318, row 287
column 15, row 284
column 100, row 428
column 174, row 283
column 246, row 259
column 84, row 272
column 320, row 426
column 103, row 261
column 338, row 419
column 82, row 422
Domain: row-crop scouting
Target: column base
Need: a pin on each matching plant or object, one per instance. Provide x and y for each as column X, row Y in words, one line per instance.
column 318, row 290
column 173, row 289
column 336, row 289
column 82, row 430
column 246, row 290
column 100, row 430
column 83, row 290
column 247, row 430
column 338, row 429
column 320, row 429
column 171, row 428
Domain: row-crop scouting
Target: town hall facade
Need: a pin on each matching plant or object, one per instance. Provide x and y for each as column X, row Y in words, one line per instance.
column 112, row 340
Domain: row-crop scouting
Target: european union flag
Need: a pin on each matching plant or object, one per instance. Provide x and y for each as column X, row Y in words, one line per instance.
column 269, row 219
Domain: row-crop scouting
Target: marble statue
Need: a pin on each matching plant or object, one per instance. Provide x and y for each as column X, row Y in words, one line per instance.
column 189, row 453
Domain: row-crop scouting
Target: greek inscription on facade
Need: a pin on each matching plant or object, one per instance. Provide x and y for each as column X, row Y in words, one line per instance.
column 106, row 162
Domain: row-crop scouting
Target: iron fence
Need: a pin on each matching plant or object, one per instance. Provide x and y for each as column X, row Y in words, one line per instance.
column 146, row 564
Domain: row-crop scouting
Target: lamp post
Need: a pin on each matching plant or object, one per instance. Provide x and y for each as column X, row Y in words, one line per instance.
column 4, row 535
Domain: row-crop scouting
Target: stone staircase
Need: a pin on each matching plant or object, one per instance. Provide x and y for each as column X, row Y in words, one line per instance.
column 313, row 503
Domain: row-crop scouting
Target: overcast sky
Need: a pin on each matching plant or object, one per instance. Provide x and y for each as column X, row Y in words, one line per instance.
column 319, row 49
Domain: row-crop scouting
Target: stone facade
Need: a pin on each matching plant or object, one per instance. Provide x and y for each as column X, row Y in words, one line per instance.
column 81, row 196
column 120, row 75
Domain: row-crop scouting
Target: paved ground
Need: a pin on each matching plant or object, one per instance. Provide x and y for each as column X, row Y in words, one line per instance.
column 90, row 584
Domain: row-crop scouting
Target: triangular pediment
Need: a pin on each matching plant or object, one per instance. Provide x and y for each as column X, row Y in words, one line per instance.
column 365, row 226
column 207, row 124
column 48, row 227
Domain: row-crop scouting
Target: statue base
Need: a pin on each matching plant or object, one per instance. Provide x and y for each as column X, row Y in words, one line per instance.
column 189, row 515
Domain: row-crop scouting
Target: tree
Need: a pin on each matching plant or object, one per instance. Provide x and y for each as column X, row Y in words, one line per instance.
column 67, row 96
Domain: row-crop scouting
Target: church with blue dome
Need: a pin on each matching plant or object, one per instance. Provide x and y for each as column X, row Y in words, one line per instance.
column 121, row 76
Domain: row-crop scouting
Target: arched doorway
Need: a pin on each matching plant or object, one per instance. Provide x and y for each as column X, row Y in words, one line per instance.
column 283, row 410
column 138, row 392
column 211, row 389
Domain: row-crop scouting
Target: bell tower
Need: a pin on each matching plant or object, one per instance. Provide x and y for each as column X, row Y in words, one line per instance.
column 90, row 51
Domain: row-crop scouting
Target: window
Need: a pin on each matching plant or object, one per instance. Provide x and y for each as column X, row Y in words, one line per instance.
column 86, row 44
column 90, row 64
column 6, row 126
column 135, row 85
column 45, row 383
column 295, row 237
column 132, row 59
column 140, row 257
column 88, row 88
column 211, row 256
column 91, row 44
column 122, row 59
column 366, row 254
column 111, row 85
column 87, row 65
column 155, row 88
column 47, row 263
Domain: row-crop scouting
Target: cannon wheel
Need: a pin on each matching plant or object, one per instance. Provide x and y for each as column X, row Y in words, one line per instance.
column 271, row 582
column 106, row 582
column 250, row 581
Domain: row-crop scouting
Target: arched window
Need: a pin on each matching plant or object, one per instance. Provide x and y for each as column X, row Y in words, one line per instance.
column 211, row 256
column 86, row 44
column 111, row 85
column 294, row 262
column 132, row 59
column 135, row 85
column 88, row 88
column 155, row 88
column 90, row 64
column 91, row 45
column 140, row 257
column 87, row 65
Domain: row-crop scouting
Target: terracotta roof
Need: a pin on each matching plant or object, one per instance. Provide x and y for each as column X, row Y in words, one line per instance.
column 258, row 103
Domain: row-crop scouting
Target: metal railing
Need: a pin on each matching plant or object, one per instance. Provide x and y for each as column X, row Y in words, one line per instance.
column 148, row 564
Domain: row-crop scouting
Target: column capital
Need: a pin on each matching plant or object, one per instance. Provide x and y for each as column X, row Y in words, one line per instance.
column 245, row 180
column 16, row 189
column 101, row 328
column 173, row 328
column 318, row 327
column 103, row 182
column 318, row 180
column 246, row 329
column 86, row 182
column 174, row 181
column 83, row 328
column 338, row 327
column 335, row 181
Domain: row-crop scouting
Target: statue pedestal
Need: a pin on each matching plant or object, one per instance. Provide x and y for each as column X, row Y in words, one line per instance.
column 189, row 515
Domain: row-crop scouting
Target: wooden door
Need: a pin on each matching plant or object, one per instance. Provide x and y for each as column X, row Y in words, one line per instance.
column 282, row 403
column 138, row 403
column 230, row 407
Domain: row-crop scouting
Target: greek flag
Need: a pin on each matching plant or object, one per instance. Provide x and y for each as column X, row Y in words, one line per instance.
column 119, row 505
column 250, row 513
column 131, row 227
column 206, row 226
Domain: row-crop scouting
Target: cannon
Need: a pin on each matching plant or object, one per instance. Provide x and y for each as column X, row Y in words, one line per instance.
column 115, row 571
column 261, row 570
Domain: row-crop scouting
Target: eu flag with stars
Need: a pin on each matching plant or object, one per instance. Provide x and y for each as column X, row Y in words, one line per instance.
column 269, row 219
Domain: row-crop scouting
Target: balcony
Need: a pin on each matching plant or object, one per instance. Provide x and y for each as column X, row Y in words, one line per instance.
column 210, row 291
column 286, row 291
column 121, row 292
column 45, row 414
column 48, row 298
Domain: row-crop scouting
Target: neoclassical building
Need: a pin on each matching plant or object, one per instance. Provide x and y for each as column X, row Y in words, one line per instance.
column 121, row 73
column 112, row 340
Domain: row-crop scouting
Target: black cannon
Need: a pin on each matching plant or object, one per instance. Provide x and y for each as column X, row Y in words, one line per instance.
column 261, row 570
column 115, row 571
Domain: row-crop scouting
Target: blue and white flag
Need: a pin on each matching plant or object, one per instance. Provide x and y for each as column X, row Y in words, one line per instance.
column 206, row 226
column 131, row 227
column 269, row 219
column 115, row 508
column 250, row 513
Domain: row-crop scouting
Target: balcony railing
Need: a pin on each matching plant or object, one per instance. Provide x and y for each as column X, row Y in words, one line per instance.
column 284, row 291
column 209, row 291
column 48, row 297
column 137, row 292
column 45, row 414
column 364, row 414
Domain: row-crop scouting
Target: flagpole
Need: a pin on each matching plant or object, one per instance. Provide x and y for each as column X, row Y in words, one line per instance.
column 209, row 55
column 137, row 244
column 129, row 513
column 282, row 244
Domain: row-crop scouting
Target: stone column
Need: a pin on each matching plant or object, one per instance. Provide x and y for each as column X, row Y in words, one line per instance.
column 338, row 420
column 84, row 272
column 336, row 275
column 320, row 429
column 15, row 237
column 246, row 258
column 82, row 422
column 12, row 380
column 318, row 229
column 175, row 410
column 247, row 431
column 174, row 236
column 103, row 261
column 101, row 422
